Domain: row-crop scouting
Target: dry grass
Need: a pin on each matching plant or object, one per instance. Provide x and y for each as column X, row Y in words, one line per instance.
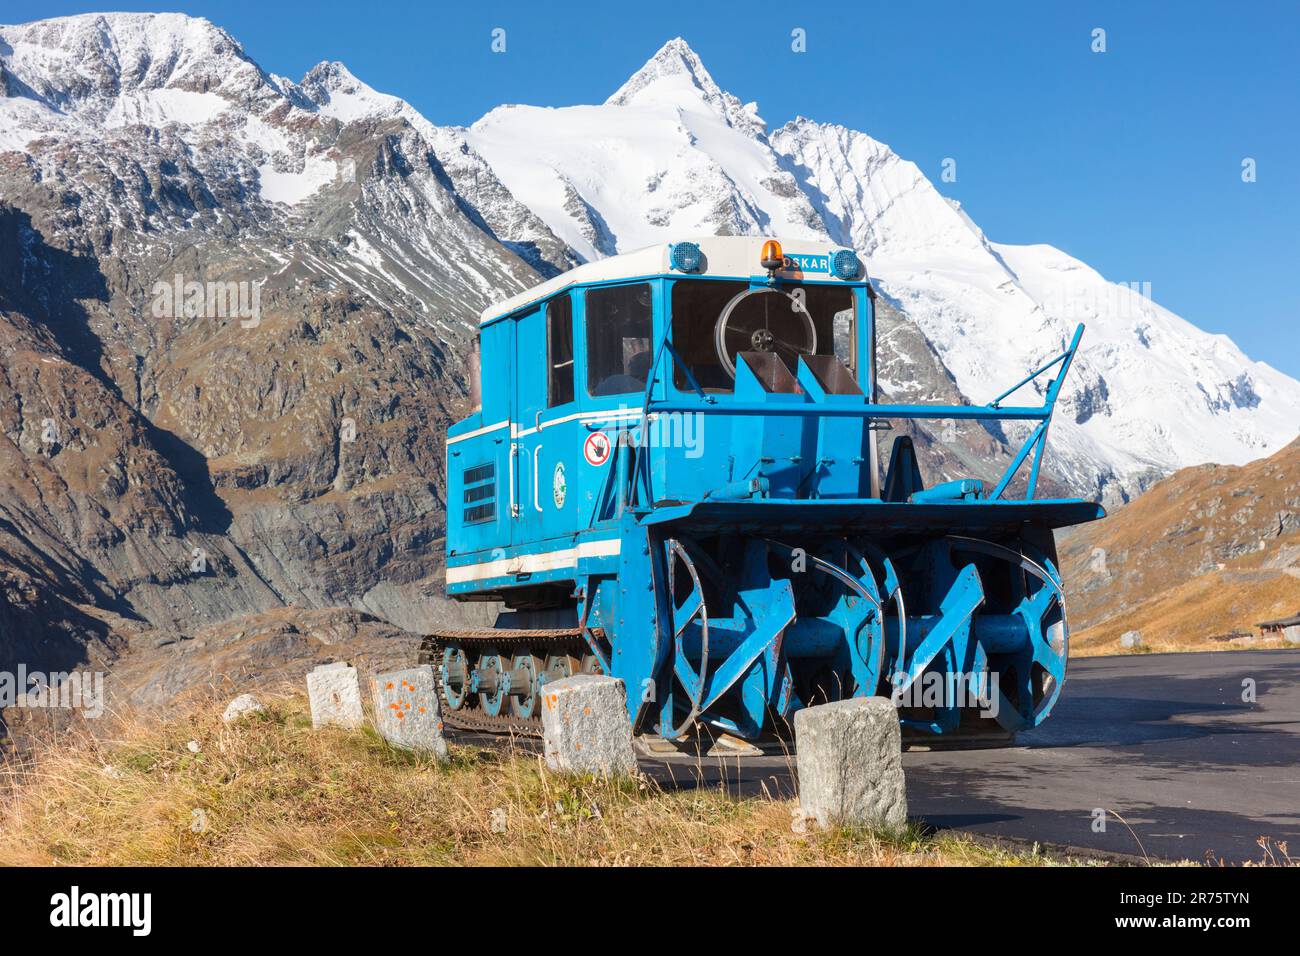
column 272, row 791
column 1196, row 615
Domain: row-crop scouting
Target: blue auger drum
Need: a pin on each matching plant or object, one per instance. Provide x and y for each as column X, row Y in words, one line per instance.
column 672, row 476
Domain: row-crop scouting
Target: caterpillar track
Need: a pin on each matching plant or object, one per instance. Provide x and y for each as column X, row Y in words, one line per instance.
column 470, row 671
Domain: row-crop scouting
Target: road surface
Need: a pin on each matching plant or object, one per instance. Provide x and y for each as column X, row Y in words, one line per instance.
column 1164, row 741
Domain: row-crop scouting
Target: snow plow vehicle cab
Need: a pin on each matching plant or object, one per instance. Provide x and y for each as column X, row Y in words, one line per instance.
column 673, row 478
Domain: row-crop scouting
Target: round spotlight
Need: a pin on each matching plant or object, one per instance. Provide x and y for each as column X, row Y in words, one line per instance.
column 685, row 256
column 846, row 264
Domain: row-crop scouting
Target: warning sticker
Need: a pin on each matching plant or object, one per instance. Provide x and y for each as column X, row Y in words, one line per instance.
column 596, row 448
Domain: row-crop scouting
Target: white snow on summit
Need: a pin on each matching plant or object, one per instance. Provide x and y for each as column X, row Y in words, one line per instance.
column 676, row 77
column 670, row 154
column 114, row 69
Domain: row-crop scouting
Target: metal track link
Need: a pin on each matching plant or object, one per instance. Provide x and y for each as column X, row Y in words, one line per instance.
column 506, row 640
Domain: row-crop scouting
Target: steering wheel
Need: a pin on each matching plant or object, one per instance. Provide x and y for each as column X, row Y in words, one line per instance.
column 764, row 320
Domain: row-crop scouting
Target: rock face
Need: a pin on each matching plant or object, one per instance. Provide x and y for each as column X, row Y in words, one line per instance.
column 169, row 463
column 253, row 652
column 335, row 695
column 849, row 759
column 1131, row 640
column 585, row 726
column 407, row 713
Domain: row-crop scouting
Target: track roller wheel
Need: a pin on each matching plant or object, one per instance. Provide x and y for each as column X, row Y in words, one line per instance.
column 490, row 681
column 525, row 688
column 558, row 667
column 453, row 670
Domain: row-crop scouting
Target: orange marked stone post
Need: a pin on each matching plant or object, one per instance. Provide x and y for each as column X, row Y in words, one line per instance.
column 406, row 710
column 585, row 726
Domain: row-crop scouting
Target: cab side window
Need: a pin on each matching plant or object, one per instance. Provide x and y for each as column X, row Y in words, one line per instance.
column 559, row 351
column 618, row 339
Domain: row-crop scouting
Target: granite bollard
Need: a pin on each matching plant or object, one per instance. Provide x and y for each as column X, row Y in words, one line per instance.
column 585, row 726
column 407, row 713
column 335, row 695
column 850, row 763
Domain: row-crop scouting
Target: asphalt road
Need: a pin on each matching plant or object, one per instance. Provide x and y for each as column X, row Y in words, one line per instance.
column 1164, row 741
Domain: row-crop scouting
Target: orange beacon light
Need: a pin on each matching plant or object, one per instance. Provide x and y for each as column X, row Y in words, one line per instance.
column 771, row 257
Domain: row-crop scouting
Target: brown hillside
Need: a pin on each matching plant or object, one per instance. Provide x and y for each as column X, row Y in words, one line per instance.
column 1208, row 551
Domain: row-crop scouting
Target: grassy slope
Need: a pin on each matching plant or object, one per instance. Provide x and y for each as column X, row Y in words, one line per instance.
column 1208, row 551
column 272, row 791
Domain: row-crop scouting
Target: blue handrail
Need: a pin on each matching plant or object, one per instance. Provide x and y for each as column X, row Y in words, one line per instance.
column 1036, row 442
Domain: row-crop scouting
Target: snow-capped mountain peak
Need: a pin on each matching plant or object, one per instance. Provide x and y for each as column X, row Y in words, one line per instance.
column 669, row 153
column 334, row 91
column 329, row 78
column 120, row 68
column 675, row 76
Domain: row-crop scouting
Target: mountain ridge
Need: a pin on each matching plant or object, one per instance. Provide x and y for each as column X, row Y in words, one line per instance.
column 1202, row 557
column 819, row 180
column 299, row 451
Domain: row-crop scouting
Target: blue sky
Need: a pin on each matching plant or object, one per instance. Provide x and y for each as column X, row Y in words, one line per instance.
column 1128, row 159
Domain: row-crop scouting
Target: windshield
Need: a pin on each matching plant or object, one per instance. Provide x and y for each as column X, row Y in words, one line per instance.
column 618, row 339
column 713, row 321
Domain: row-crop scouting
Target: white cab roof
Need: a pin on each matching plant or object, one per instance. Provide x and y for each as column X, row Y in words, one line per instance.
column 735, row 257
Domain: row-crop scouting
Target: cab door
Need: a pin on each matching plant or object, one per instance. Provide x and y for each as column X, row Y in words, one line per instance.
column 554, row 444
column 478, row 458
column 529, row 400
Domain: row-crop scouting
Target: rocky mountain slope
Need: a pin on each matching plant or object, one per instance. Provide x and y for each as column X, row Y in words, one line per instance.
column 170, row 468
column 234, row 312
column 1206, row 553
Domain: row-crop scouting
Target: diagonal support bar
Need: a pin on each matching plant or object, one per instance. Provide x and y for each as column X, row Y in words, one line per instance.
column 774, row 622
column 964, row 598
